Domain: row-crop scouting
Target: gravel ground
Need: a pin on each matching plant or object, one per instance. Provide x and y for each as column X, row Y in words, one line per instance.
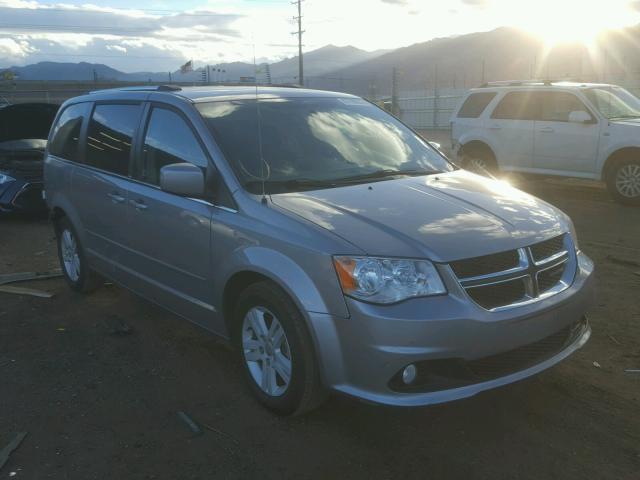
column 98, row 404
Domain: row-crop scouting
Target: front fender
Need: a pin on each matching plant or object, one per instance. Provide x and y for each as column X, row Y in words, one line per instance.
column 475, row 137
column 310, row 296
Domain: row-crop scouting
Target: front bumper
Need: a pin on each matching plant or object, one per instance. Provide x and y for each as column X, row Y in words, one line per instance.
column 361, row 355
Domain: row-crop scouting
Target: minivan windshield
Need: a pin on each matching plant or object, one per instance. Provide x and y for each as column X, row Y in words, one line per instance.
column 614, row 102
column 312, row 143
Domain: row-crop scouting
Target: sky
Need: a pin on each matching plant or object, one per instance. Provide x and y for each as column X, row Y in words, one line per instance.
column 160, row 35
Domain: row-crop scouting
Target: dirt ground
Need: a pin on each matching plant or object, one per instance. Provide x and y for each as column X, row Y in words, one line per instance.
column 99, row 405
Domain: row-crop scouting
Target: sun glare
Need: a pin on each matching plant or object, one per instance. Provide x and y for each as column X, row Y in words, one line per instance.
column 574, row 21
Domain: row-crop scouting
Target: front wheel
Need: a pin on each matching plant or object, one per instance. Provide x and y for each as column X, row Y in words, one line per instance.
column 75, row 268
column 479, row 163
column 276, row 351
column 623, row 182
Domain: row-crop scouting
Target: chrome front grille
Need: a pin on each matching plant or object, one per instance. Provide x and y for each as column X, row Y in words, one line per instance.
column 518, row 277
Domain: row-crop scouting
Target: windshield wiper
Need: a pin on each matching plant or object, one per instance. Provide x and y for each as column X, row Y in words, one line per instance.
column 386, row 173
column 306, row 183
column 291, row 184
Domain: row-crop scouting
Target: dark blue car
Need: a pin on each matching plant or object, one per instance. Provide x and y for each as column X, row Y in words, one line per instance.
column 24, row 129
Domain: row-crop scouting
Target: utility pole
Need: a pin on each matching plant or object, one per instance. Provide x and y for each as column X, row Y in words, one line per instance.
column 299, row 33
column 483, row 76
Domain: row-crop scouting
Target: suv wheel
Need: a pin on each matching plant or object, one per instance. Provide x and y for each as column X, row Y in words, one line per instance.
column 276, row 351
column 479, row 164
column 74, row 265
column 623, row 182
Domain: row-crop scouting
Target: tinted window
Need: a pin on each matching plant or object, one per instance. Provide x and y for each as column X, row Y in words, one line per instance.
column 475, row 104
column 298, row 143
column 111, row 130
column 168, row 140
column 556, row 106
column 517, row 106
column 65, row 142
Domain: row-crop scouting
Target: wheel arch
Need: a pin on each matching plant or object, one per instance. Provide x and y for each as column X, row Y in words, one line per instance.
column 476, row 145
column 256, row 264
column 619, row 154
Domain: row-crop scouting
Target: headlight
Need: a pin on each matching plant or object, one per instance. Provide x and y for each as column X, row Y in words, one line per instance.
column 4, row 178
column 574, row 235
column 387, row 280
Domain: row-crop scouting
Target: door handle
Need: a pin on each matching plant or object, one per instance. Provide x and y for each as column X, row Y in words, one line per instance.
column 495, row 127
column 138, row 205
column 115, row 197
column 547, row 130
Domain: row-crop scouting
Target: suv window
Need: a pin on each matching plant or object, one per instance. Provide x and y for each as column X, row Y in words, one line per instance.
column 475, row 104
column 517, row 106
column 111, row 130
column 556, row 106
column 168, row 140
column 65, row 142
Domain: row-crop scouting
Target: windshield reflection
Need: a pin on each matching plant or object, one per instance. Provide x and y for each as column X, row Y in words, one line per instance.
column 313, row 143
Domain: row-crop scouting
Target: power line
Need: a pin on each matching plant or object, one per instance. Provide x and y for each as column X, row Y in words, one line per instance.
column 299, row 33
column 152, row 11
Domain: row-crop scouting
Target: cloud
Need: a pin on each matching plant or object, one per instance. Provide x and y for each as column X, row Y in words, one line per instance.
column 396, row 2
column 476, row 3
column 32, row 32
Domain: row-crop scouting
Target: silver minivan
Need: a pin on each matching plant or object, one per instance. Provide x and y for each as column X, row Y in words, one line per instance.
column 331, row 244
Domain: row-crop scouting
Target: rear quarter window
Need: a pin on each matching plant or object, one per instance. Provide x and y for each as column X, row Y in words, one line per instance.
column 518, row 106
column 475, row 104
column 65, row 141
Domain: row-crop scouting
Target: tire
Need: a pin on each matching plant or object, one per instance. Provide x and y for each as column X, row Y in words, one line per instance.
column 73, row 262
column 623, row 181
column 480, row 163
column 264, row 310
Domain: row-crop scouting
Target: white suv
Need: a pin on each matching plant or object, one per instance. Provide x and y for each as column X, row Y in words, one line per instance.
column 568, row 129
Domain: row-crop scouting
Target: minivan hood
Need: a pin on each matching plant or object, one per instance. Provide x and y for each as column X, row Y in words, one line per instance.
column 443, row 217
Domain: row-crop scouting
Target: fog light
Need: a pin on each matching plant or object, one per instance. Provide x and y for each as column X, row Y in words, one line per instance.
column 409, row 374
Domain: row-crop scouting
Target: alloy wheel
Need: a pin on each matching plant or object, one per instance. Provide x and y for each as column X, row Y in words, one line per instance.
column 266, row 351
column 70, row 256
column 628, row 181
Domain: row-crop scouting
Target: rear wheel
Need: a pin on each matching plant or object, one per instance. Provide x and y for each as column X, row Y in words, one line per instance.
column 75, row 268
column 276, row 351
column 623, row 181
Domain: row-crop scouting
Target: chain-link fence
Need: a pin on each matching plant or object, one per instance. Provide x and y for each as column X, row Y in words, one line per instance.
column 429, row 112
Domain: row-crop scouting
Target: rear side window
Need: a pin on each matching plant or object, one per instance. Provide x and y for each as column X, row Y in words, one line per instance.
column 168, row 140
column 111, row 130
column 517, row 106
column 65, row 142
column 475, row 104
column 556, row 106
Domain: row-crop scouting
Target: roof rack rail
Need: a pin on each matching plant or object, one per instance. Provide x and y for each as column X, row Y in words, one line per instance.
column 143, row 88
column 515, row 83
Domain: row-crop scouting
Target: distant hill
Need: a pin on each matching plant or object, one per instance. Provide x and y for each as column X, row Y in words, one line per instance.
column 317, row 62
column 320, row 61
column 503, row 54
column 65, row 71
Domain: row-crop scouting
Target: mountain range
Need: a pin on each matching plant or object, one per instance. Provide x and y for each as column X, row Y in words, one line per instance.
column 454, row 62
column 316, row 62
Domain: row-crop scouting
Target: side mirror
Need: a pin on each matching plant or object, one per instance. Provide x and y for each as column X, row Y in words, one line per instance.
column 580, row 116
column 183, row 179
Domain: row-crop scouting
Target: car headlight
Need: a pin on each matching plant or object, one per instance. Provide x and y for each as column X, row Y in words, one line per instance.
column 387, row 280
column 4, row 178
column 574, row 235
